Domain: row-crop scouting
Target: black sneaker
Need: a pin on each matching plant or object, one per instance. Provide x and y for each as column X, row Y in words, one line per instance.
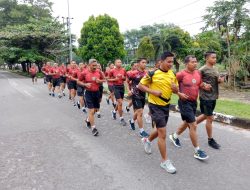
column 94, row 132
column 84, row 110
column 127, row 109
column 59, row 96
column 213, row 143
column 78, row 105
column 64, row 94
column 50, row 93
column 132, row 125
column 88, row 125
column 107, row 101
column 53, row 94
column 98, row 115
column 113, row 115
column 123, row 122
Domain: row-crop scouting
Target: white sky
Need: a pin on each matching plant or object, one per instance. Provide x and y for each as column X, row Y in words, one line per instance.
column 135, row 13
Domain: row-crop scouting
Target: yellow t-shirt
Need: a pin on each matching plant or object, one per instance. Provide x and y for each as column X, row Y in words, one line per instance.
column 161, row 81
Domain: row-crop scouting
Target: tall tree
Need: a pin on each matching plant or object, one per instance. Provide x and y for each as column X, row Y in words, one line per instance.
column 101, row 39
column 146, row 48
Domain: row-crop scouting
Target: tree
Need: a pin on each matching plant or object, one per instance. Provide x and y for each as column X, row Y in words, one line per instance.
column 101, row 39
column 146, row 48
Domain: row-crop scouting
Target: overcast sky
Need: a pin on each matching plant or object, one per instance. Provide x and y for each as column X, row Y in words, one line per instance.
column 135, row 13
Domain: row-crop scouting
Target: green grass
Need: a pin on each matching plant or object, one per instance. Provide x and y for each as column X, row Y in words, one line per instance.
column 226, row 106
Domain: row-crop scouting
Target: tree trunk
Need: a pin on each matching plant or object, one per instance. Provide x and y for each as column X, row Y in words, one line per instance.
column 228, row 43
column 24, row 67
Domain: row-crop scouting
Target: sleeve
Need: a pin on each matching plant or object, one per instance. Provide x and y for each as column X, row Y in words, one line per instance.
column 82, row 77
column 179, row 76
column 146, row 80
column 111, row 74
column 102, row 75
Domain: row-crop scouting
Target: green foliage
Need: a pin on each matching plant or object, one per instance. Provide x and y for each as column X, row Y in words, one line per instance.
column 146, row 48
column 101, row 39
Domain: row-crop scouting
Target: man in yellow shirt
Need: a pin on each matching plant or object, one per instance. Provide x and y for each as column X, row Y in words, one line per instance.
column 160, row 84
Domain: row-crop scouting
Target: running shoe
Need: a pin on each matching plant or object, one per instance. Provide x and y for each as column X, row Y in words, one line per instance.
column 123, row 122
column 132, row 125
column 53, row 94
column 147, row 145
column 59, row 96
column 114, row 105
column 144, row 134
column 201, row 155
column 88, row 125
column 78, row 105
column 168, row 166
column 98, row 115
column 84, row 110
column 107, row 100
column 175, row 141
column 113, row 115
column 127, row 109
column 213, row 143
column 94, row 132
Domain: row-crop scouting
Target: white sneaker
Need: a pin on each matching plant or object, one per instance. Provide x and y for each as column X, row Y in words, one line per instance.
column 147, row 145
column 147, row 118
column 168, row 166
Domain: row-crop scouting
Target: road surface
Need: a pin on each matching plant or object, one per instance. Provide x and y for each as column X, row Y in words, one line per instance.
column 44, row 145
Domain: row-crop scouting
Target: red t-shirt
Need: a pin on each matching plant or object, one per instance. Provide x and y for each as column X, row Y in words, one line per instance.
column 118, row 73
column 46, row 69
column 110, row 83
column 72, row 72
column 90, row 77
column 56, row 71
column 63, row 70
column 189, row 83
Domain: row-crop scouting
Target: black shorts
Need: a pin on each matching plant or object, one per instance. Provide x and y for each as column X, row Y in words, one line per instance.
column 100, row 91
column 138, row 103
column 207, row 106
column 119, row 92
column 72, row 85
column 159, row 115
column 62, row 79
column 92, row 99
column 188, row 110
column 80, row 90
column 49, row 78
column 33, row 76
column 111, row 88
column 56, row 82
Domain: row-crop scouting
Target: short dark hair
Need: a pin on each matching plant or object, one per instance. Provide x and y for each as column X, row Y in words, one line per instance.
column 141, row 58
column 208, row 53
column 187, row 58
column 166, row 54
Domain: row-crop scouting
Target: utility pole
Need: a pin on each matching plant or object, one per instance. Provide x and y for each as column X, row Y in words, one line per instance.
column 69, row 32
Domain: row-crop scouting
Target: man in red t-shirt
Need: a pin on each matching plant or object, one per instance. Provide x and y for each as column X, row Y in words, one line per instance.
column 110, row 85
column 118, row 76
column 72, row 74
column 91, row 80
column 129, row 82
column 138, row 97
column 33, row 72
column 190, row 82
column 46, row 72
column 63, row 71
column 56, row 73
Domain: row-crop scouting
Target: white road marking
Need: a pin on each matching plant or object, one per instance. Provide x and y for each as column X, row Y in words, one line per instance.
column 15, row 86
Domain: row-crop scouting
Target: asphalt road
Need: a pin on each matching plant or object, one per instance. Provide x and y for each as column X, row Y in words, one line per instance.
column 44, row 145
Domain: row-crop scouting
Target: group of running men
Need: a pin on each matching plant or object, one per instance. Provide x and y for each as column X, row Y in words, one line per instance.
column 86, row 80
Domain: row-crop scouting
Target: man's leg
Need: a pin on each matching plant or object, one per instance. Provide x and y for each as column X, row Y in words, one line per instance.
column 162, row 143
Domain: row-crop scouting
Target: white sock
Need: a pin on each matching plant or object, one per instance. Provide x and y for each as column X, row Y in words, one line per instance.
column 92, row 127
column 196, row 149
column 87, row 119
column 175, row 135
column 98, row 113
column 114, row 111
column 132, row 120
column 141, row 130
column 121, row 118
column 83, row 108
